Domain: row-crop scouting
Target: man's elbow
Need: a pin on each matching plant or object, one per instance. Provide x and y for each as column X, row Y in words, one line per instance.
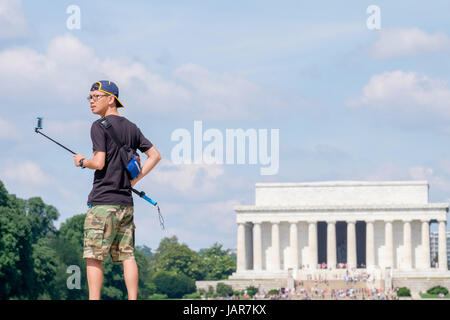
column 156, row 158
column 156, row 155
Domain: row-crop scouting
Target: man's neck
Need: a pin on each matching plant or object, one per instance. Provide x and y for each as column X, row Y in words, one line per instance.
column 111, row 111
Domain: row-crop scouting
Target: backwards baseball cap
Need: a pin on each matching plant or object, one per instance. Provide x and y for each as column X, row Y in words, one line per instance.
column 108, row 87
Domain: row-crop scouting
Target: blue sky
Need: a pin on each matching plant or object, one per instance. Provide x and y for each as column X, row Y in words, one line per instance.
column 350, row 103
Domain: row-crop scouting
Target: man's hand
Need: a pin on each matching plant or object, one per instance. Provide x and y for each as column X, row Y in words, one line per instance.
column 77, row 158
column 133, row 182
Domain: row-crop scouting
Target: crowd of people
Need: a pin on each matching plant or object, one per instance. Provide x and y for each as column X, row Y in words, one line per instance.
column 316, row 293
column 324, row 265
column 348, row 277
column 346, row 286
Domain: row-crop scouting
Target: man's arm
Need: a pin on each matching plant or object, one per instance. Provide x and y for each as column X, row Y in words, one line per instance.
column 153, row 157
column 96, row 163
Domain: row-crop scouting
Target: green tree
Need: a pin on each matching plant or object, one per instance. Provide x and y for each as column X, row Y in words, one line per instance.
column 113, row 282
column 68, row 245
column 224, row 290
column 45, row 265
column 146, row 286
column 178, row 258
column 15, row 252
column 217, row 262
column 403, row 292
column 438, row 289
column 4, row 199
column 251, row 291
column 26, row 264
column 146, row 251
column 41, row 217
column 172, row 284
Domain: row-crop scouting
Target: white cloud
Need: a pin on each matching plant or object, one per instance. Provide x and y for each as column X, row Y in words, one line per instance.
column 406, row 91
column 8, row 131
column 27, row 173
column 386, row 172
column 200, row 225
column 73, row 128
column 438, row 182
column 67, row 68
column 390, row 172
column 262, row 41
column 12, row 20
column 144, row 88
column 187, row 179
column 61, row 72
column 226, row 95
column 222, row 215
column 68, row 195
column 444, row 165
column 397, row 43
column 195, row 182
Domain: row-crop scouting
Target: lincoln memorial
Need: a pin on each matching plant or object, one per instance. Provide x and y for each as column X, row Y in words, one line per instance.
column 301, row 228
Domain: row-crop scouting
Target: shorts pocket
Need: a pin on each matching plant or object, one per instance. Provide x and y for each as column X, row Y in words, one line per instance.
column 93, row 237
column 94, row 231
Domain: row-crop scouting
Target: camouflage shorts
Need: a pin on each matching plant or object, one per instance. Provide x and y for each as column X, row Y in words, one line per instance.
column 109, row 229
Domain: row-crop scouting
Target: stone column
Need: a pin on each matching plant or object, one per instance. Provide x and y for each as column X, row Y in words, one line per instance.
column 389, row 245
column 294, row 245
column 276, row 246
column 351, row 244
column 257, row 247
column 407, row 253
column 312, row 243
column 241, row 248
column 426, row 244
column 442, row 245
column 370, row 245
column 331, row 245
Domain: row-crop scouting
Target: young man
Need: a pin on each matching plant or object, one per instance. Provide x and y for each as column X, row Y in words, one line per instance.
column 109, row 225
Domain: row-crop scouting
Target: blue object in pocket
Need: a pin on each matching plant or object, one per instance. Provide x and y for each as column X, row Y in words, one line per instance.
column 134, row 167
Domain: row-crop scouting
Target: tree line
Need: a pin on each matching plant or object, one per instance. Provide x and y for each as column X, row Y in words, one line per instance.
column 35, row 258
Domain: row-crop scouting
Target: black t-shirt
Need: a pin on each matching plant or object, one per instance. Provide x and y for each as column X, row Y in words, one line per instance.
column 111, row 184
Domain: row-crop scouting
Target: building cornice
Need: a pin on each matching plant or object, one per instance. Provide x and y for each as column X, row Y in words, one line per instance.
column 340, row 184
column 340, row 208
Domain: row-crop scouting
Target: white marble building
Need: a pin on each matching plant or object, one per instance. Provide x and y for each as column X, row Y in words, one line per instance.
column 366, row 225
column 434, row 245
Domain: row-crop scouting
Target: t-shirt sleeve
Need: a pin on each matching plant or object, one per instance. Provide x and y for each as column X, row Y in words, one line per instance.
column 98, row 137
column 144, row 143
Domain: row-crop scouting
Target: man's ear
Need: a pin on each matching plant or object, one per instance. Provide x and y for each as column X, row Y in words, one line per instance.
column 112, row 100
